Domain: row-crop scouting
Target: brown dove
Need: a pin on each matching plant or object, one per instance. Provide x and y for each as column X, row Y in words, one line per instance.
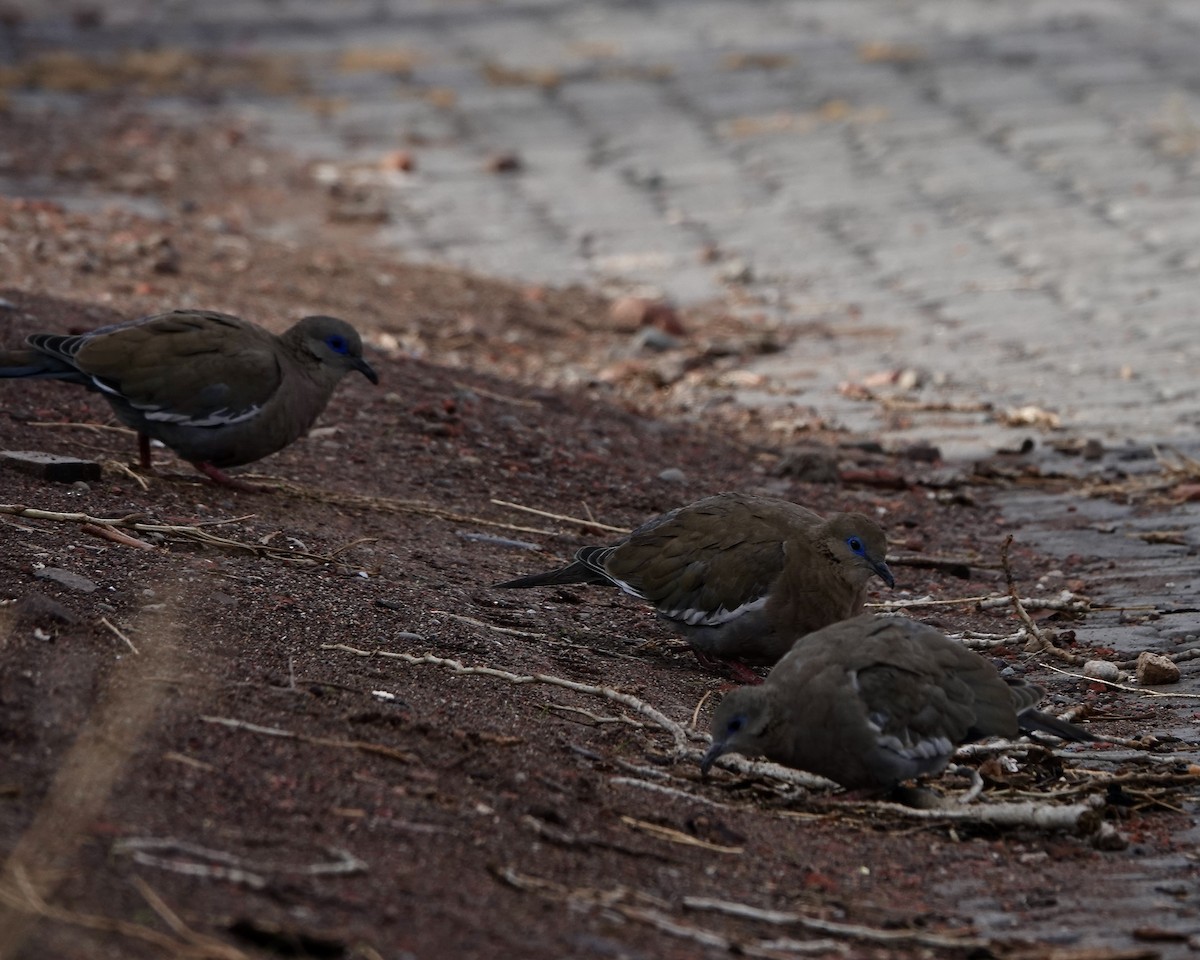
column 217, row 390
column 870, row 702
column 741, row 577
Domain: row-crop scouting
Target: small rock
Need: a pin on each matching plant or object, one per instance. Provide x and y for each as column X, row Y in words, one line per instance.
column 1101, row 670
column 1154, row 669
column 506, row 162
column 651, row 338
column 673, row 475
column 922, row 452
column 49, row 466
column 737, row 271
column 65, row 578
column 401, row 161
column 1093, row 449
column 630, row 313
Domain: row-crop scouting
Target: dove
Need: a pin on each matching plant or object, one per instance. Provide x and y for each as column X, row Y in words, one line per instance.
column 870, row 702
column 217, row 390
column 741, row 577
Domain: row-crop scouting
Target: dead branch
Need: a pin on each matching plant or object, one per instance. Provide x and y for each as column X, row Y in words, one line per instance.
column 1081, row 818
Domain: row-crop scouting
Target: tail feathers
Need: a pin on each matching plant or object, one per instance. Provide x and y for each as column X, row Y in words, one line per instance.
column 32, row 365
column 576, row 572
column 1030, row 720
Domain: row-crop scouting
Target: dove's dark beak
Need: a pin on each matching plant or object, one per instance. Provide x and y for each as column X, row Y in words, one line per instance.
column 885, row 573
column 717, row 748
column 364, row 368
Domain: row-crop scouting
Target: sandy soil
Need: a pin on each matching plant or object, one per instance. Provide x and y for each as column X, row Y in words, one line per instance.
column 264, row 770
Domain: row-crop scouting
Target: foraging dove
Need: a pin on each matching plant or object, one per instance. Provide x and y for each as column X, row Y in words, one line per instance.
column 741, row 577
column 870, row 702
column 217, row 390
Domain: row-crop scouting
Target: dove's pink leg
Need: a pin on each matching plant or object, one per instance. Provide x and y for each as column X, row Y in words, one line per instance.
column 223, row 479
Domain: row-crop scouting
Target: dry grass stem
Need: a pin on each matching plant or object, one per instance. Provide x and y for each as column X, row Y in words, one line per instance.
column 190, row 533
column 507, row 631
column 500, row 397
column 390, row 505
column 105, row 622
column 1039, row 643
column 676, row 836
column 668, row 791
column 377, row 748
column 578, row 521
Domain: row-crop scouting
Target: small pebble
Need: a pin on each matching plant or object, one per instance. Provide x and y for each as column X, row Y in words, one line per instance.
column 1101, row 670
column 673, row 475
column 65, row 578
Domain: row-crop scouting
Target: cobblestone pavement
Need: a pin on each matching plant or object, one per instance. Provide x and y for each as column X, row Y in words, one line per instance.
column 1000, row 196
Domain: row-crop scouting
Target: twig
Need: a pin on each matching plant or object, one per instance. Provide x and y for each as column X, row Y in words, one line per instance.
column 668, row 791
column 1121, row 686
column 699, row 707
column 677, row 731
column 1081, row 818
column 579, row 521
column 104, row 621
column 1042, row 644
column 391, row 505
column 615, row 901
column 676, row 836
column 1069, row 603
column 124, row 470
column 852, row 931
column 503, row 398
column 596, row 719
column 955, row 566
column 191, row 533
column 93, row 427
column 167, row 853
column 115, row 536
column 508, row 631
column 377, row 748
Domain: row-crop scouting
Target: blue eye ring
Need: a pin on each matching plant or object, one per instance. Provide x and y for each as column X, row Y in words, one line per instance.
column 735, row 724
column 856, row 545
column 337, row 343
